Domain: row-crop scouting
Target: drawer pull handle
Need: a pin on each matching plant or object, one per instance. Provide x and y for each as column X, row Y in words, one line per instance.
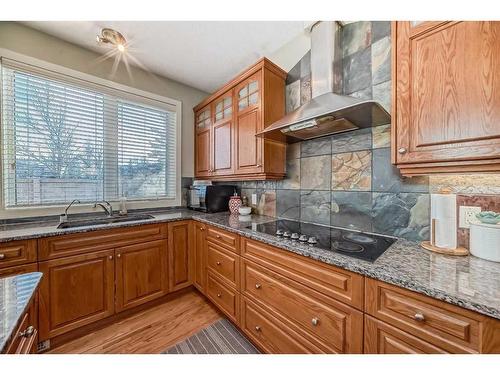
column 258, row 329
column 219, row 295
column 2, row 256
column 202, row 229
column 28, row 332
column 315, row 321
column 218, row 263
column 419, row 317
column 119, row 255
column 402, row 150
column 258, row 286
column 218, row 236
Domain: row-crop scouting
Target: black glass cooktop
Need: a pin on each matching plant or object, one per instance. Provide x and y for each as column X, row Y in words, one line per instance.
column 356, row 244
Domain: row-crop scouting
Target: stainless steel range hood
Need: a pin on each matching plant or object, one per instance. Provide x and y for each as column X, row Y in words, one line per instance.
column 327, row 112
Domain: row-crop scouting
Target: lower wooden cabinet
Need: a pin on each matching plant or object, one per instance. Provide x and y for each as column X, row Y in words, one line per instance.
column 382, row 338
column 200, row 254
column 26, row 336
column 141, row 273
column 76, row 291
column 270, row 334
column 180, row 258
column 224, row 297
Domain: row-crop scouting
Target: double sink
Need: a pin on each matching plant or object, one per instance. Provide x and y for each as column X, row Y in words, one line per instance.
column 103, row 220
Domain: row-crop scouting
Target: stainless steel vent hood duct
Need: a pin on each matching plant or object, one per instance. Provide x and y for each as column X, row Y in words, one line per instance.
column 328, row 112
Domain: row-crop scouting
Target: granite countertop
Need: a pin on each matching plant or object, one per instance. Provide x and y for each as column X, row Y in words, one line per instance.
column 16, row 293
column 468, row 282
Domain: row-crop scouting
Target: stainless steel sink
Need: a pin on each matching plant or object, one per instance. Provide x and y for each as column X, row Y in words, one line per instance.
column 104, row 220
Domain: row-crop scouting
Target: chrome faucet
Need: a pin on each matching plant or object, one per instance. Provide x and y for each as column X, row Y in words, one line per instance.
column 106, row 206
column 64, row 217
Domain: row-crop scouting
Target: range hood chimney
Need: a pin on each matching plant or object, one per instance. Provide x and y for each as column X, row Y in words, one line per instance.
column 328, row 112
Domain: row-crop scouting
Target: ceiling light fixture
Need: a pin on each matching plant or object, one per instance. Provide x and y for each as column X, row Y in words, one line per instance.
column 110, row 36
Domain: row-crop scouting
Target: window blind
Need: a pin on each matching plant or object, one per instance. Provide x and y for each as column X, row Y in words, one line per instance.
column 65, row 139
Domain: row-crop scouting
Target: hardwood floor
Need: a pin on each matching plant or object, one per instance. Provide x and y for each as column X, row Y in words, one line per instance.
column 149, row 331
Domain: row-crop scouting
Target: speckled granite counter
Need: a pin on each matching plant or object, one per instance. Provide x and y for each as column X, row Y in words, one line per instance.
column 468, row 282
column 16, row 293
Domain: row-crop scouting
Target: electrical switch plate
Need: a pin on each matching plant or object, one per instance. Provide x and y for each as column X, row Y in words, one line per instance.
column 467, row 215
column 254, row 199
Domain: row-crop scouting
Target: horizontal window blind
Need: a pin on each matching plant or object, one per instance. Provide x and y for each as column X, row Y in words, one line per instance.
column 65, row 139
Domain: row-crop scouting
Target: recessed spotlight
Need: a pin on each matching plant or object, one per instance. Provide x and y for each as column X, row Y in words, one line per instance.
column 113, row 37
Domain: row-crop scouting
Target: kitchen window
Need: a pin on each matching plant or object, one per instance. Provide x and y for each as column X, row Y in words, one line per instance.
column 66, row 138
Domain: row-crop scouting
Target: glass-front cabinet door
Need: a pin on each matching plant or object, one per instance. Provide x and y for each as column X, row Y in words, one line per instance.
column 248, row 123
column 203, row 127
column 222, row 133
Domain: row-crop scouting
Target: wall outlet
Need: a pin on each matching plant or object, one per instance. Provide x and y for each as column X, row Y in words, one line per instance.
column 467, row 215
column 254, row 199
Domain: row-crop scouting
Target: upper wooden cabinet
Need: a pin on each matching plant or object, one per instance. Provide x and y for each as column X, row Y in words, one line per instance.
column 226, row 146
column 446, row 97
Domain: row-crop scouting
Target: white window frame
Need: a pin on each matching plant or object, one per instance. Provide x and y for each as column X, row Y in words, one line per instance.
column 16, row 212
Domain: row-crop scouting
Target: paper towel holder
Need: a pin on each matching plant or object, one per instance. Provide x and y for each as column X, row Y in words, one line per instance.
column 429, row 245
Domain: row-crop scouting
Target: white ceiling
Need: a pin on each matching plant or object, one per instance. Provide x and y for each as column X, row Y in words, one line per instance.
column 201, row 54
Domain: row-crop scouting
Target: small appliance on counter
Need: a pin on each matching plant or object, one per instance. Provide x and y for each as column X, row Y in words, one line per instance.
column 485, row 240
column 205, row 197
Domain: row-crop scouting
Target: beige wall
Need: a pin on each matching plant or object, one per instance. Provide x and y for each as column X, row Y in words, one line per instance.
column 22, row 39
column 290, row 53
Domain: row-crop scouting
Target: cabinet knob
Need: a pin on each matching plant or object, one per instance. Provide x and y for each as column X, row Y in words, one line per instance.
column 402, row 150
column 218, row 263
column 218, row 236
column 257, row 286
column 28, row 332
column 202, row 229
column 419, row 317
column 2, row 256
column 110, row 257
column 315, row 321
column 219, row 295
column 258, row 329
column 119, row 255
column 259, row 165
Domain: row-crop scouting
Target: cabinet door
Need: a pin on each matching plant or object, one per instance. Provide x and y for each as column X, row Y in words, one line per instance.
column 141, row 273
column 447, row 97
column 180, row 258
column 222, row 135
column 75, row 291
column 203, row 142
column 381, row 338
column 200, row 254
column 249, row 148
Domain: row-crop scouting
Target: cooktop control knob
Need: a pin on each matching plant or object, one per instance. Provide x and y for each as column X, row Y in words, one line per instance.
column 303, row 238
column 279, row 232
column 295, row 236
column 312, row 241
column 286, row 234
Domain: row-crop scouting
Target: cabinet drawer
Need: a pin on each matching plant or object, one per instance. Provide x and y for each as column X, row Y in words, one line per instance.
column 269, row 333
column 224, row 297
column 450, row 327
column 224, row 264
column 224, row 238
column 17, row 252
column 381, row 338
column 79, row 243
column 337, row 326
column 17, row 270
column 345, row 286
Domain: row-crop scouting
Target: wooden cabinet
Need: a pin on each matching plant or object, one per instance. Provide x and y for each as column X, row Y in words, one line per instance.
column 25, row 337
column 226, row 146
column 76, row 291
column 141, row 273
column 382, row 338
column 17, row 253
column 200, row 256
column 439, row 324
column 446, row 97
column 203, row 142
column 180, row 259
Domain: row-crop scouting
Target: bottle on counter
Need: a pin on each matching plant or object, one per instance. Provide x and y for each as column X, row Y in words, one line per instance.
column 123, row 206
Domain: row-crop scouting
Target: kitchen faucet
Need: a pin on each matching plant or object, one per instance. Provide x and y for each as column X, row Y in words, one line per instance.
column 64, row 217
column 106, row 206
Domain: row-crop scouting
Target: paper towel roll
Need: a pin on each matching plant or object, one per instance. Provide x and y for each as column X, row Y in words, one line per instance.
column 444, row 220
